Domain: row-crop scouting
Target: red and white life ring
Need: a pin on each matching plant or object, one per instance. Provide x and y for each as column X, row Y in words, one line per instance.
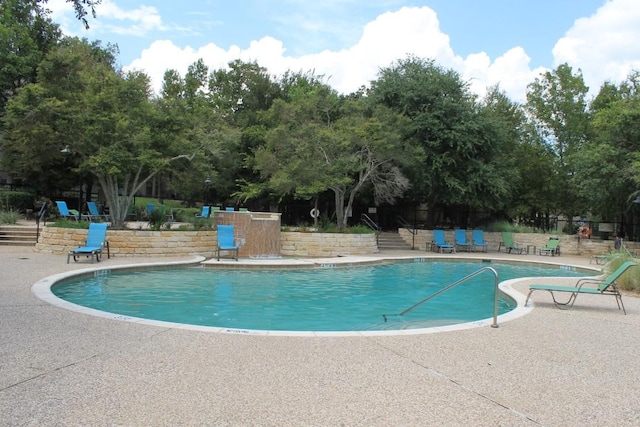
column 584, row 232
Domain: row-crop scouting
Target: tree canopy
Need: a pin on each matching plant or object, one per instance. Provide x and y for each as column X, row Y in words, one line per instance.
column 417, row 136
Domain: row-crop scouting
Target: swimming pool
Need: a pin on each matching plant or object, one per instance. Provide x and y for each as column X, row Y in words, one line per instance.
column 321, row 299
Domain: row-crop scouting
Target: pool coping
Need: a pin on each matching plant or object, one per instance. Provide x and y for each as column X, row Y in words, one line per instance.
column 42, row 290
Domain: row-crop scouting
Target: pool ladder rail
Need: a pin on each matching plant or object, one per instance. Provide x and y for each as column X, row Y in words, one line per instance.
column 453, row 285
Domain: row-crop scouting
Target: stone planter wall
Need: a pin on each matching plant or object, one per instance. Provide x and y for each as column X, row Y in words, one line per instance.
column 326, row 244
column 570, row 245
column 182, row 243
column 129, row 243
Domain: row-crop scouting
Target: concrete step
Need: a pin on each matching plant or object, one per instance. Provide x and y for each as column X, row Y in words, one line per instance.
column 16, row 235
column 392, row 240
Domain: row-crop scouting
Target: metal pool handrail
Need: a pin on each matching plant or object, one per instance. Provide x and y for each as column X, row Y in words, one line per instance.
column 453, row 285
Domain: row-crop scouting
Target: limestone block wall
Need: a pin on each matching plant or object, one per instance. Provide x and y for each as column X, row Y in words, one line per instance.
column 326, row 244
column 129, row 243
column 570, row 245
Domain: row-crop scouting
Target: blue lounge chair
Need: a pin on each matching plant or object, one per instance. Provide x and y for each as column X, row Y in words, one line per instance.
column 461, row 240
column 229, row 209
column 149, row 208
column 440, row 244
column 606, row 286
column 96, row 241
column 94, row 212
column 477, row 240
column 226, row 241
column 67, row 213
column 206, row 211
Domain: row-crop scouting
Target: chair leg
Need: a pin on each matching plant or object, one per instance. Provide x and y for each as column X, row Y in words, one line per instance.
column 528, row 296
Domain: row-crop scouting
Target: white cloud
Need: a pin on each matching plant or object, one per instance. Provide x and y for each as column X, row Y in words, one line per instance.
column 390, row 37
column 136, row 22
column 605, row 45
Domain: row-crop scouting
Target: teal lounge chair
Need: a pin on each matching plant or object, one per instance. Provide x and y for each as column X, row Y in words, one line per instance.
column 94, row 213
column 604, row 258
column 96, row 241
column 206, row 211
column 552, row 247
column 477, row 240
column 461, row 240
column 606, row 286
column 226, row 241
column 509, row 244
column 440, row 244
column 65, row 212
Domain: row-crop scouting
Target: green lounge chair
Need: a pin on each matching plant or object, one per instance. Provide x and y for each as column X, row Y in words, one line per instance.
column 509, row 244
column 606, row 286
column 226, row 241
column 604, row 258
column 552, row 247
column 96, row 241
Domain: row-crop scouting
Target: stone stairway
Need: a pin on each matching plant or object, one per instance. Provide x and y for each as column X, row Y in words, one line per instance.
column 389, row 240
column 18, row 235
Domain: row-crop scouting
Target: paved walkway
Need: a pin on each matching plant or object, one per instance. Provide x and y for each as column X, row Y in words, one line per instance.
column 551, row 367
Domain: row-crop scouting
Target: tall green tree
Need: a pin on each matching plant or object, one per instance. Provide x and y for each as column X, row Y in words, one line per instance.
column 556, row 103
column 323, row 142
column 608, row 172
column 452, row 144
column 26, row 36
column 101, row 115
column 190, row 119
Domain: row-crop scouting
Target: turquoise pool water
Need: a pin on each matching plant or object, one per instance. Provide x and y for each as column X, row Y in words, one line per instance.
column 324, row 299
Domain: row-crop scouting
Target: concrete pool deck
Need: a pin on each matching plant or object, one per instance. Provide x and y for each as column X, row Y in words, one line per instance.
column 551, row 367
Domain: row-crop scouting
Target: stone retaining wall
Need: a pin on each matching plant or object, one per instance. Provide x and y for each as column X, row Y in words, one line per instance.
column 181, row 243
column 128, row 243
column 326, row 244
column 570, row 245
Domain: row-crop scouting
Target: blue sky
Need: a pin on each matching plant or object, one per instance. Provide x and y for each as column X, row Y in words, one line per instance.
column 488, row 41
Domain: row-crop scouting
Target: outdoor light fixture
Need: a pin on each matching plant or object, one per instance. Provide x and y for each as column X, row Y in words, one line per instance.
column 207, row 183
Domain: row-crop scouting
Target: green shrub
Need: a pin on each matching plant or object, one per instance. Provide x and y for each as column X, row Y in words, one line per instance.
column 359, row 229
column 500, row 226
column 66, row 223
column 9, row 217
column 156, row 218
column 202, row 223
column 16, row 200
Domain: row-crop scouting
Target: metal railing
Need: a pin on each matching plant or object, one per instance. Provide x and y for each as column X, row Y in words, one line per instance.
column 366, row 220
column 405, row 224
column 453, row 285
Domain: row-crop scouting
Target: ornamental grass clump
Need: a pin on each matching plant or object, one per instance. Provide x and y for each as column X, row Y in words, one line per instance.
column 9, row 217
column 630, row 280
